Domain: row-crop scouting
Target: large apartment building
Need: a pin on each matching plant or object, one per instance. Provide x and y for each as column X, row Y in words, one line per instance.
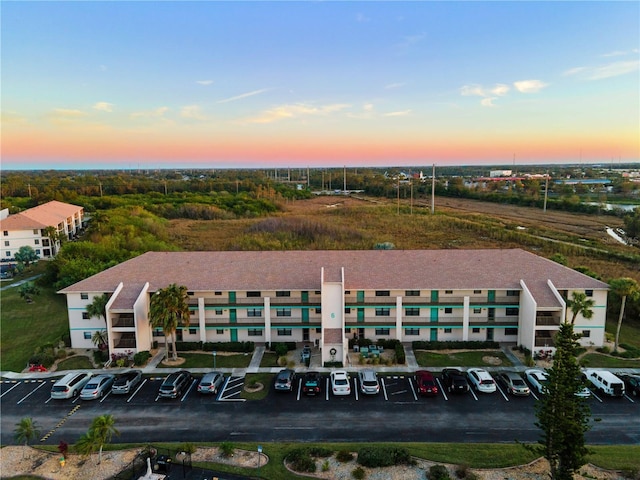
column 326, row 297
column 30, row 228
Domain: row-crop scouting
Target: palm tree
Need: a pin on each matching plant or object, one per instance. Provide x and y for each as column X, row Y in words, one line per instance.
column 623, row 287
column 580, row 304
column 99, row 434
column 170, row 307
column 98, row 308
column 25, row 431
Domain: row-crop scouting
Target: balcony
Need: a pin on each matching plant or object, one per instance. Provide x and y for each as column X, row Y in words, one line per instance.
column 126, row 340
column 547, row 321
column 544, row 339
column 125, row 320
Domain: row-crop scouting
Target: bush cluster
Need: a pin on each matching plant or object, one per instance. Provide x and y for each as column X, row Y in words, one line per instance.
column 438, row 472
column 376, row 456
column 400, row 355
column 302, row 459
column 423, row 345
column 344, row 456
column 243, row 347
column 141, row 358
column 281, row 348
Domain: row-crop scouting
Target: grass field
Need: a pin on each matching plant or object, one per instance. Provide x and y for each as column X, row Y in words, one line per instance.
column 205, row 360
column 25, row 326
column 474, row 358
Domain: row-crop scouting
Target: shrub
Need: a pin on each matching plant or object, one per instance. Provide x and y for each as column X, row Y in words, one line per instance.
column 227, row 449
column 400, row 355
column 188, row 447
column 344, row 456
column 438, row 472
column 300, row 460
column 141, row 358
column 281, row 349
column 325, row 466
column 358, row 473
column 62, row 353
column 462, row 471
column 333, row 364
column 375, row 456
column 100, row 356
column 604, row 349
column 321, row 452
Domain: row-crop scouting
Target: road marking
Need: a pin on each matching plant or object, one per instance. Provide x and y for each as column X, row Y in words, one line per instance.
column 442, row 389
column 502, row 393
column 299, row 388
column 596, row 397
column 184, row 397
column 415, row 397
column 31, row 393
column 327, row 390
column 355, row 384
column 384, row 389
column 60, row 423
column 628, row 398
column 137, row 390
column 473, row 393
column 10, row 389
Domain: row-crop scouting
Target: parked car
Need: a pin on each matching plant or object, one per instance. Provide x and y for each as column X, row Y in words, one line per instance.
column 481, row 380
column 631, row 383
column 538, row 379
column 211, row 382
column 368, row 381
column 305, row 354
column 70, row 385
column 97, row 386
column 454, row 380
column 312, row 383
column 125, row 382
column 605, row 381
column 284, row 380
column 175, row 384
column 513, row 383
column 340, row 384
column 426, row 383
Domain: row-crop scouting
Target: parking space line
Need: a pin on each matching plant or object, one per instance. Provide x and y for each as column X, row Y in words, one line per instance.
column 442, row 389
column 534, row 394
column 10, row 389
column 595, row 396
column 299, row 388
column 413, row 390
column 105, row 397
column 232, row 383
column 137, row 390
column 384, row 389
column 184, row 397
column 355, row 384
column 221, row 390
column 628, row 398
column 327, row 390
column 31, row 393
column 473, row 393
column 502, row 393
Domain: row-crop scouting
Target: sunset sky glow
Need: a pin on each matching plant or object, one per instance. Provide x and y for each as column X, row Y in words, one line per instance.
column 253, row 84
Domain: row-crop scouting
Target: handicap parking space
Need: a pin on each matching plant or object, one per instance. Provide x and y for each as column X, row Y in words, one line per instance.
column 231, row 389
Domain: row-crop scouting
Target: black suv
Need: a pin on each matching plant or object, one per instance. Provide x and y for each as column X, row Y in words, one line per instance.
column 631, row 383
column 175, row 384
column 454, row 380
column 311, row 384
column 284, row 380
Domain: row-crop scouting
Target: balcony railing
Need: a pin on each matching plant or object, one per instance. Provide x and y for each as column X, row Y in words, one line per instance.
column 125, row 343
column 544, row 342
column 547, row 321
column 126, row 322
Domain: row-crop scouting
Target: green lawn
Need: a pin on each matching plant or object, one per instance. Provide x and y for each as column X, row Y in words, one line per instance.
column 266, row 379
column 472, row 358
column 269, row 359
column 25, row 326
column 76, row 362
column 598, row 360
column 205, row 360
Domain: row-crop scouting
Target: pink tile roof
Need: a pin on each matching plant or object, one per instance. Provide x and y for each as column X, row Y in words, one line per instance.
column 45, row 215
column 364, row 270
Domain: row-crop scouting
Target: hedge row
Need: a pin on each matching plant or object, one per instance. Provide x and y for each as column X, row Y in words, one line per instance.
column 215, row 346
column 274, row 346
column 375, row 456
column 422, row 345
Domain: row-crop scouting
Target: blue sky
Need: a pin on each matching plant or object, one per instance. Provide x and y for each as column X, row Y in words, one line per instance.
column 318, row 83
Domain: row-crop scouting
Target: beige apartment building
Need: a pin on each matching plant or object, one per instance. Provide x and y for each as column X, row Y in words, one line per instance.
column 325, row 298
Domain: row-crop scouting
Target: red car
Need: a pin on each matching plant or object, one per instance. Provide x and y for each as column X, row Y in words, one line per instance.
column 426, row 383
column 37, row 368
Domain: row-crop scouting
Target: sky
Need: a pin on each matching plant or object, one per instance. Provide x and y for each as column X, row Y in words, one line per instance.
column 241, row 84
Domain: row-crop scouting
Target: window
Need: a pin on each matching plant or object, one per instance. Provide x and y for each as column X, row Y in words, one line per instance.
column 412, row 331
column 586, row 333
column 37, row 251
column 511, row 331
column 254, row 332
column 412, row 293
column 84, row 296
column 447, row 330
column 218, row 311
column 588, row 293
column 477, row 310
column 448, row 310
column 284, row 293
column 448, row 292
column 8, row 253
column 347, row 310
column 219, row 331
column 382, row 312
column 475, row 330
column 319, row 330
column 5, row 233
column 477, row 291
column 382, row 331
column 283, row 312
column 347, row 292
column 36, row 241
column 284, row 332
column 318, row 292
column 254, row 312
column 158, row 333
column 513, row 311
column 6, row 243
column 218, row 293
column 347, row 330
column 85, row 316
column 253, row 294
column 190, row 294
column 35, row 231
column 318, row 310
column 382, row 293
column 513, row 293
column 192, row 331
column 87, row 335
column 412, row 312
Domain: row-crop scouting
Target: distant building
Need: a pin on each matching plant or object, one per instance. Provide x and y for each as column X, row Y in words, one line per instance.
column 327, row 297
column 31, row 228
column 500, row 173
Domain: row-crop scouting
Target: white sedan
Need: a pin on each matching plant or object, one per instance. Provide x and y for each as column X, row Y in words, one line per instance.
column 340, row 384
column 538, row 379
column 481, row 380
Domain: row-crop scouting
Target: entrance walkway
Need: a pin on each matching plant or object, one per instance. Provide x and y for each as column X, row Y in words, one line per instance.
column 254, row 364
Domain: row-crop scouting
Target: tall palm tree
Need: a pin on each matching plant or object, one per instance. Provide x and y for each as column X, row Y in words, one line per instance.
column 25, row 431
column 98, row 308
column 169, row 308
column 580, row 304
column 623, row 287
column 99, row 434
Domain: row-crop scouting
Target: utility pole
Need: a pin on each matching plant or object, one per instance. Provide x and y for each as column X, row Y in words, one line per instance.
column 411, row 209
column 344, row 189
column 29, row 185
column 398, row 194
column 546, row 190
column 433, row 189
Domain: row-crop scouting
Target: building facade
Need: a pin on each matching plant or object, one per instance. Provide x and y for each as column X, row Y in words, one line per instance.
column 327, row 297
column 33, row 228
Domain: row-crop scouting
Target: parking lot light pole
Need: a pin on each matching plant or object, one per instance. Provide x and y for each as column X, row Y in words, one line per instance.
column 259, row 455
column 214, row 359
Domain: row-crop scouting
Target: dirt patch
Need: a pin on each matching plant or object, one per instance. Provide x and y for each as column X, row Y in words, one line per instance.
column 489, row 360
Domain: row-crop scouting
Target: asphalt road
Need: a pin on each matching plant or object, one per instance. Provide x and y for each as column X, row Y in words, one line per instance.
column 395, row 414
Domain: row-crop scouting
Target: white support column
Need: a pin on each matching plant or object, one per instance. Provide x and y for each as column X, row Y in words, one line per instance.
column 465, row 320
column 267, row 319
column 399, row 318
column 201, row 320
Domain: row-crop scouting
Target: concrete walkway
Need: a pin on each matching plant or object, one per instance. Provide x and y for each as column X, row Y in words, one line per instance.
column 17, row 284
column 254, row 365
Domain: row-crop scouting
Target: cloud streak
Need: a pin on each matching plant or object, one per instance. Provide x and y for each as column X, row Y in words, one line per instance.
column 157, row 113
column 103, row 107
column 204, row 82
column 602, row 72
column 530, row 86
column 297, row 110
column 243, row 95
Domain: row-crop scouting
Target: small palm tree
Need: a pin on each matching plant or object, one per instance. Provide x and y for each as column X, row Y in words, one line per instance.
column 169, row 308
column 99, row 434
column 98, row 308
column 580, row 304
column 623, row 287
column 25, row 431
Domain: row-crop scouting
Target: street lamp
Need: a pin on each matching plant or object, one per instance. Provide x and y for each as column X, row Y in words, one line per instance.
column 259, row 455
column 214, row 359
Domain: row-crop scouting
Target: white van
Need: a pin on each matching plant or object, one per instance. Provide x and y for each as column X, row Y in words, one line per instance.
column 605, row 381
column 70, row 385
